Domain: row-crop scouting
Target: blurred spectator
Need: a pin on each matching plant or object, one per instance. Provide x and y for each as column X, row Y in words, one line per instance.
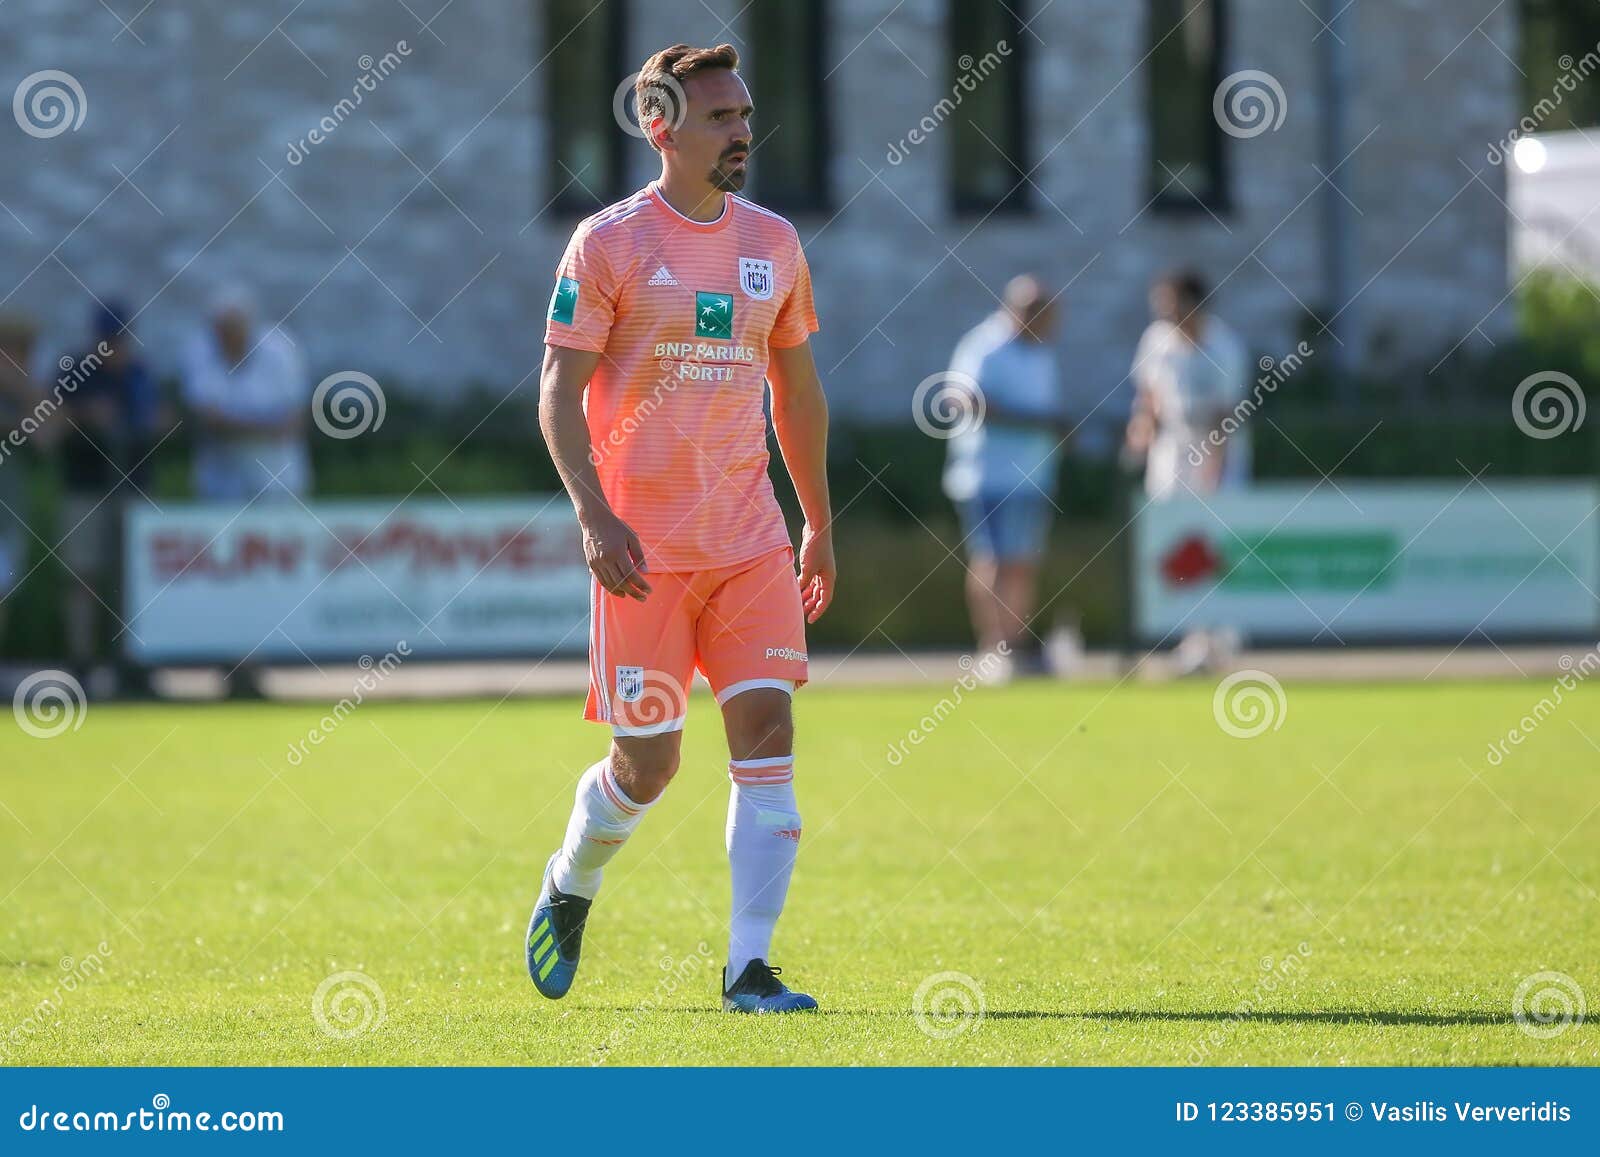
column 1001, row 469
column 1189, row 373
column 248, row 393
column 18, row 396
column 110, row 419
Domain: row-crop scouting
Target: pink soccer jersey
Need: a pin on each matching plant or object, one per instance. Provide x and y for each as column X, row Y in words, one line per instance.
column 683, row 314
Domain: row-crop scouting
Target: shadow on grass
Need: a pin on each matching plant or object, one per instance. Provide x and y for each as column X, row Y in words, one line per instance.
column 1332, row 1016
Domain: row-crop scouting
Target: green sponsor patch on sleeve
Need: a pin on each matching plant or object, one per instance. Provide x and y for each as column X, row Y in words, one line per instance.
column 564, row 300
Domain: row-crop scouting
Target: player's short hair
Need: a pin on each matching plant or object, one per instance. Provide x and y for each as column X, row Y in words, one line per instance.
column 658, row 91
column 1189, row 286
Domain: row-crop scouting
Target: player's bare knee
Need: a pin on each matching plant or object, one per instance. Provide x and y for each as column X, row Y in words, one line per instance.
column 644, row 767
column 760, row 724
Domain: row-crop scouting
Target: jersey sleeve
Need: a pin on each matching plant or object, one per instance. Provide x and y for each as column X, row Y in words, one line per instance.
column 583, row 303
column 797, row 317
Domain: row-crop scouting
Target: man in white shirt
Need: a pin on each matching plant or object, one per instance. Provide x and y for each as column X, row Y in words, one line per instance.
column 1002, row 464
column 249, row 393
column 1189, row 373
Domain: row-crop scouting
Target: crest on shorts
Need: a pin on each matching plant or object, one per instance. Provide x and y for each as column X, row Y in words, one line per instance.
column 630, row 684
column 755, row 278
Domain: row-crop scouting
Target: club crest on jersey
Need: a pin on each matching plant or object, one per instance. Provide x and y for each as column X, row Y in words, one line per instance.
column 630, row 684
column 713, row 314
column 755, row 278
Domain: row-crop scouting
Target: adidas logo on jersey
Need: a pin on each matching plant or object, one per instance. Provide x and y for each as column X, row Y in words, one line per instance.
column 662, row 276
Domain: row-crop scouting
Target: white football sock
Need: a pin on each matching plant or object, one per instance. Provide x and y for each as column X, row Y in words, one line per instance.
column 763, row 840
column 603, row 817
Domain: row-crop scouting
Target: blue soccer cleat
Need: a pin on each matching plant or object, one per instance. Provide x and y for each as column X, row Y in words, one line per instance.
column 555, row 937
column 758, row 989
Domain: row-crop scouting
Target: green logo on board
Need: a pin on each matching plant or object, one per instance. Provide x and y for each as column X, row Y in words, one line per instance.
column 713, row 314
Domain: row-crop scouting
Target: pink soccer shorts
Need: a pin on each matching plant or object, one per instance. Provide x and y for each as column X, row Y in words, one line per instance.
column 742, row 626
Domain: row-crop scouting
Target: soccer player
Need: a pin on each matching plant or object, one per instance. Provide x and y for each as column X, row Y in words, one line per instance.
column 670, row 310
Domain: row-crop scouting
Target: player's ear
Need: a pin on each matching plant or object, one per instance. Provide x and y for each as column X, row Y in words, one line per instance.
column 661, row 133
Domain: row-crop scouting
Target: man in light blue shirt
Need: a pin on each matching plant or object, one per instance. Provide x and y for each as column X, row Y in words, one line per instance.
column 1003, row 457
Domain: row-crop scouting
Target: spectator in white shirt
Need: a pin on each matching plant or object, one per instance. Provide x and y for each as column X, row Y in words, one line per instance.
column 248, row 392
column 1189, row 373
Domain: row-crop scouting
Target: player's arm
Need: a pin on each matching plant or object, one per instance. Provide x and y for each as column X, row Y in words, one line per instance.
column 800, row 417
column 612, row 549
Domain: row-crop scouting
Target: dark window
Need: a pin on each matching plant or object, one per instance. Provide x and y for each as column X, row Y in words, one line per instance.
column 1182, row 73
column 1560, row 55
column 983, row 96
column 582, row 65
column 784, row 70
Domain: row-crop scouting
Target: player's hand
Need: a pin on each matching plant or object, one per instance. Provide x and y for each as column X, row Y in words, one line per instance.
column 615, row 556
column 818, row 572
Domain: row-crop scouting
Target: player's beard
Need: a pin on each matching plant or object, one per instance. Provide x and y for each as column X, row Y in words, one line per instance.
column 729, row 178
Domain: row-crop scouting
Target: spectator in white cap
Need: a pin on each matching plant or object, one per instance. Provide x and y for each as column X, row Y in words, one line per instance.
column 247, row 390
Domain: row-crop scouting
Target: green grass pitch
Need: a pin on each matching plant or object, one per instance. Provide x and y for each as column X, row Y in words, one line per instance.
column 1119, row 880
